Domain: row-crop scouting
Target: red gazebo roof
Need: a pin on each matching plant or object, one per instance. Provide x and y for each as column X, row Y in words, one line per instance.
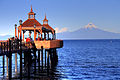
column 30, row 23
column 48, row 27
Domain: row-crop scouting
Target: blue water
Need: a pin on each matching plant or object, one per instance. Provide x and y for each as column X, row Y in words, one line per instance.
column 89, row 60
column 86, row 60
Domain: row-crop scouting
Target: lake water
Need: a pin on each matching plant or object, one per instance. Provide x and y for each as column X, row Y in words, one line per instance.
column 89, row 60
column 86, row 60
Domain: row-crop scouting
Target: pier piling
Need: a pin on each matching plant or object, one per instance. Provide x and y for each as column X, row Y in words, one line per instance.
column 42, row 56
column 3, row 65
column 10, row 61
column 7, row 64
column 48, row 62
column 16, row 62
column 38, row 60
column 45, row 57
column 34, row 61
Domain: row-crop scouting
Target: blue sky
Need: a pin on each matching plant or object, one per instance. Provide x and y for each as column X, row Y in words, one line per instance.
column 70, row 14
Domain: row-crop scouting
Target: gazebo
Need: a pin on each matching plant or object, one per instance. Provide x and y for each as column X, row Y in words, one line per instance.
column 44, row 31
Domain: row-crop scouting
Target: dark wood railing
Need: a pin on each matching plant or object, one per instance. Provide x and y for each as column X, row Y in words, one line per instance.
column 15, row 46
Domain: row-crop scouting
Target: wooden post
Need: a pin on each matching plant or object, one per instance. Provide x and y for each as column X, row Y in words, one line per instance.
column 4, row 61
column 34, row 34
column 1, row 48
column 20, row 51
column 38, row 60
column 4, row 47
column 15, row 30
column 3, row 65
column 7, row 58
column 20, row 65
column 29, row 52
column 7, row 65
column 45, row 58
column 23, row 35
column 35, row 61
column 42, row 56
column 48, row 62
column 16, row 62
column 10, row 61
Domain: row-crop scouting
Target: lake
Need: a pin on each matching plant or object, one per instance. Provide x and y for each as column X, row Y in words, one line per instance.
column 89, row 60
column 86, row 60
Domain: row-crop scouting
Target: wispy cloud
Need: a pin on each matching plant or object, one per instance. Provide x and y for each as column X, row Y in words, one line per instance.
column 60, row 30
column 3, row 34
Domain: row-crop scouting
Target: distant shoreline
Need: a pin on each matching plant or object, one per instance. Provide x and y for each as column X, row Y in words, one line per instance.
column 90, row 39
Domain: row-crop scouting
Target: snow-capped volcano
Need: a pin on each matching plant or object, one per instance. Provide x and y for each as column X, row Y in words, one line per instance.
column 90, row 31
column 90, row 25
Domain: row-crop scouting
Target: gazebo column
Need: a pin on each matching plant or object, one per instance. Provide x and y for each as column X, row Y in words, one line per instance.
column 48, row 35
column 23, row 35
column 21, row 31
column 44, row 36
column 41, row 35
column 34, row 34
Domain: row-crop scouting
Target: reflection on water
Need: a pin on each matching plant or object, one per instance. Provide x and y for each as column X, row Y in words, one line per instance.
column 85, row 60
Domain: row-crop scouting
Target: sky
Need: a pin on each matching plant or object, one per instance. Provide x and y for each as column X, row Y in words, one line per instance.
column 63, row 15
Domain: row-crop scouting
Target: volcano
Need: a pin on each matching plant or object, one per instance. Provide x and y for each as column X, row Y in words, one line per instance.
column 90, row 31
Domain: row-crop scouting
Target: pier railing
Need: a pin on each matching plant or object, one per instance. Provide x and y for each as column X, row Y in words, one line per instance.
column 15, row 46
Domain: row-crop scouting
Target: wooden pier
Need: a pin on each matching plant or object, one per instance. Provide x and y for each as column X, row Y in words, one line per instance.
column 36, row 56
column 29, row 56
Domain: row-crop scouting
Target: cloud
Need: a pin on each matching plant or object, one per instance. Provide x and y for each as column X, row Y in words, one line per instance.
column 3, row 34
column 60, row 30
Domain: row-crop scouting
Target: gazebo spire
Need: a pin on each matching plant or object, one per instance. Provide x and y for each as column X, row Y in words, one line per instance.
column 31, row 9
column 31, row 14
column 45, row 15
column 45, row 21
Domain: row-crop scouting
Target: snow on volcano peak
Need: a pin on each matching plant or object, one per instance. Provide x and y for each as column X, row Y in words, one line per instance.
column 90, row 25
